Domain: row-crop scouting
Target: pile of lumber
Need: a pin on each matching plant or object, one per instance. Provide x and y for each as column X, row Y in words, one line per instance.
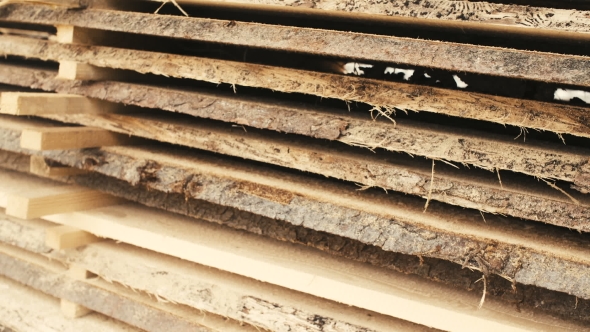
column 326, row 165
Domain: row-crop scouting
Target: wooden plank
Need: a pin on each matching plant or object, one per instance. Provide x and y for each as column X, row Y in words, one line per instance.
column 15, row 161
column 73, row 310
column 235, row 292
column 71, row 70
column 292, row 267
column 217, row 292
column 393, row 172
column 56, row 199
column 67, row 237
column 27, row 310
column 26, row 33
column 378, row 93
column 33, row 103
column 524, row 252
column 39, row 166
column 523, row 198
column 564, row 69
column 64, row 138
column 523, row 113
column 425, row 268
column 26, row 234
column 111, row 300
column 468, row 15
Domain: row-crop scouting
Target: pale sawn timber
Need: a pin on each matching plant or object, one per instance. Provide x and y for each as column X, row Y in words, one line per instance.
column 238, row 296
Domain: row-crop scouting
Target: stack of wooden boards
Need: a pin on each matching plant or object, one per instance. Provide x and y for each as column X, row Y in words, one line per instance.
column 294, row 165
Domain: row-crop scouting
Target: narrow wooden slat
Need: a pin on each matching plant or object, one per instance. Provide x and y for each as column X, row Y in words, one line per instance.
column 66, row 237
column 39, row 166
column 33, row 103
column 59, row 199
column 64, row 138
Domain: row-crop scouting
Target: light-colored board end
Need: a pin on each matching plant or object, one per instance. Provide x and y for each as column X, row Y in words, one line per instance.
column 80, row 273
column 61, row 199
column 67, row 237
column 68, row 138
column 35, row 103
column 70, row 70
column 73, row 310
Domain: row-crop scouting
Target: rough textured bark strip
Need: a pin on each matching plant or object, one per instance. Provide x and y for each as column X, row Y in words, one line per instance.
column 547, row 67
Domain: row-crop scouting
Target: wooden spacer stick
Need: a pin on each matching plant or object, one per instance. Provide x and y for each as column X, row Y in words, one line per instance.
column 79, row 273
column 67, row 138
column 59, row 199
column 73, row 310
column 35, row 103
column 66, row 237
column 70, row 70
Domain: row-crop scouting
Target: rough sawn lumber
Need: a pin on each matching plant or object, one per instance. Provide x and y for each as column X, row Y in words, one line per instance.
column 213, row 291
column 436, row 270
column 564, row 69
column 50, row 277
column 27, row 310
column 390, row 172
column 381, row 94
column 294, row 267
column 393, row 222
column 468, row 14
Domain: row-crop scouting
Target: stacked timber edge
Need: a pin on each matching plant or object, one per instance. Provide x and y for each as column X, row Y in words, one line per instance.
column 247, row 165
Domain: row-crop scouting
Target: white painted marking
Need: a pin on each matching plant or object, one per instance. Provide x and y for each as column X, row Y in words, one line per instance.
column 407, row 72
column 355, row 68
column 460, row 84
column 568, row 95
